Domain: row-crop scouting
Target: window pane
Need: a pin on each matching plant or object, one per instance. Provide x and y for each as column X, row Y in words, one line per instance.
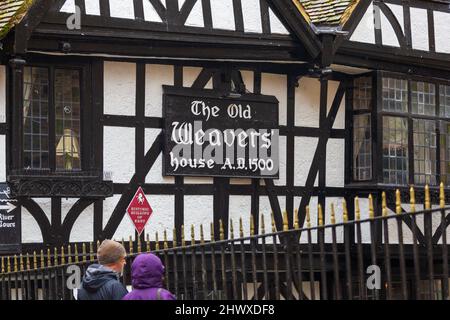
column 362, row 93
column 67, row 116
column 395, row 95
column 423, row 98
column 362, row 147
column 424, row 132
column 35, row 118
column 395, row 150
column 444, row 101
column 445, row 152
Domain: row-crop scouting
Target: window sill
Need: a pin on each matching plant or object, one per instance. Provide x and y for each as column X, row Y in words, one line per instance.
column 66, row 185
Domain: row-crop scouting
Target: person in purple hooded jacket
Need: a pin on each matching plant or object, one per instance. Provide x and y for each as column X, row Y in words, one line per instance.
column 147, row 274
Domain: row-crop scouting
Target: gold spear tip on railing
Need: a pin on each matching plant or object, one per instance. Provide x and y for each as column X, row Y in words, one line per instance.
column 55, row 258
column 130, row 244
column 398, row 202
column 139, row 244
column 49, row 258
column 263, row 224
column 166, row 243
column 3, row 265
column 174, row 236
column 27, row 259
column 345, row 210
column 8, row 264
column 320, row 214
column 442, row 195
column 357, row 209
column 147, row 243
column 15, row 263
column 157, row 239
column 211, row 230
column 412, row 199
column 21, row 262
column 371, row 207
column 308, row 217
column 42, row 260
column 252, row 225
column 69, row 254
column 241, row 228
column 296, row 222
column 274, row 226
column 34, row 260
column 333, row 214
column 285, row 221
column 192, row 235
column 77, row 258
column 63, row 257
column 83, row 251
column 231, row 229
column 221, row 230
column 91, row 251
column 202, row 235
column 427, row 197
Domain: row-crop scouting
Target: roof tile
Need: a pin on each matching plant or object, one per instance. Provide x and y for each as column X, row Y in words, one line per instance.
column 326, row 12
column 11, row 12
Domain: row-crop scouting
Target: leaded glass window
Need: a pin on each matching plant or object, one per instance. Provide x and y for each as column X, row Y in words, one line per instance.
column 362, row 147
column 395, row 150
column 362, row 93
column 445, row 152
column 425, row 149
column 444, row 101
column 395, row 95
column 423, row 98
column 51, row 112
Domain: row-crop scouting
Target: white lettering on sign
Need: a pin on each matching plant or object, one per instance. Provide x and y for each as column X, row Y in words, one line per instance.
column 5, row 221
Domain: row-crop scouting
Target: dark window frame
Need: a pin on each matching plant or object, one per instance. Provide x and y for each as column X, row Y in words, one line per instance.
column 90, row 168
column 377, row 128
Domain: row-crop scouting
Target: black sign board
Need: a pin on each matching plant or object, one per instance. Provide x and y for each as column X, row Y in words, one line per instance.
column 207, row 134
column 10, row 232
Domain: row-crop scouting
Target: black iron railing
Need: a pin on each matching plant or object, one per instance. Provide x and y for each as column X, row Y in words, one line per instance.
column 392, row 256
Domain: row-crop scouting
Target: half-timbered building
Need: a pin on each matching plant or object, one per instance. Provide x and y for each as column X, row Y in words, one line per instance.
column 361, row 91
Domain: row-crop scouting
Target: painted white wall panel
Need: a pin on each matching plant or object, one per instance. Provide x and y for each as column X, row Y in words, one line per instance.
column 276, row 85
column 198, row 210
column 307, row 103
column 223, row 14
column 30, row 229
column 248, row 78
column 120, row 88
column 365, row 31
column 163, row 217
column 251, row 13
column 305, row 148
column 283, row 162
column 155, row 77
column 68, row 6
column 339, row 122
column 83, row 228
column 92, row 7
column 276, row 26
column 335, row 163
column 121, row 9
column 442, row 31
column 388, row 35
column 155, row 173
column 240, row 207
column 119, row 153
column 195, row 18
column 397, row 10
column 150, row 13
column 419, row 29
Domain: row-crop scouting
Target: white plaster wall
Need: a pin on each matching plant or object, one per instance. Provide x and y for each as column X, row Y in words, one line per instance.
column 241, row 208
column 92, row 7
column 121, row 9
column 276, row 85
column 419, row 29
column 198, row 210
column 335, row 163
column 150, row 13
column 307, row 103
column 119, row 153
column 305, row 149
column 276, row 26
column 155, row 173
column 442, row 31
column 195, row 18
column 30, row 229
column 119, row 88
column 388, row 35
column 223, row 14
column 339, row 122
column 283, row 156
column 155, row 77
column 365, row 31
column 252, row 17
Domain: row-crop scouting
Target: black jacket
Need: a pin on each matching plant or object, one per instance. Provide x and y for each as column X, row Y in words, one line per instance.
column 101, row 283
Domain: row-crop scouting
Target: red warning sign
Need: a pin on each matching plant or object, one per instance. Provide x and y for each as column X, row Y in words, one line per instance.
column 139, row 210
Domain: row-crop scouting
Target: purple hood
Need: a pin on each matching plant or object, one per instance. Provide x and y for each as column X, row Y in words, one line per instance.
column 147, row 271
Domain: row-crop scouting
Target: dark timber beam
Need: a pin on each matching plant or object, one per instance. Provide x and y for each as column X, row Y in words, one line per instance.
column 25, row 28
column 298, row 25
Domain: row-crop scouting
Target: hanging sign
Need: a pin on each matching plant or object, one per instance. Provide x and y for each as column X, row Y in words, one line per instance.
column 10, row 233
column 207, row 134
column 139, row 210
